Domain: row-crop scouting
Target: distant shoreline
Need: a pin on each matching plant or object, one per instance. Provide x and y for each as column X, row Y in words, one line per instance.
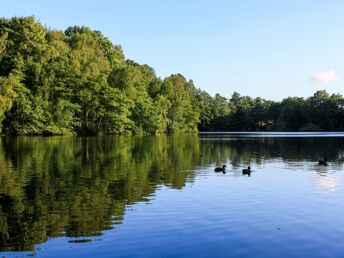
column 243, row 133
column 273, row 132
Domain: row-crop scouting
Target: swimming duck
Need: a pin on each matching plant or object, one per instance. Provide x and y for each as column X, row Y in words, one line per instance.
column 220, row 169
column 246, row 171
column 323, row 162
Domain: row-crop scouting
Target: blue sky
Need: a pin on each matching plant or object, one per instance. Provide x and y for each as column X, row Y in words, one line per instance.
column 267, row 48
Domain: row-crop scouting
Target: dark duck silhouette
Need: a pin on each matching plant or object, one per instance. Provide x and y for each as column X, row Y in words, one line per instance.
column 323, row 162
column 220, row 169
column 246, row 171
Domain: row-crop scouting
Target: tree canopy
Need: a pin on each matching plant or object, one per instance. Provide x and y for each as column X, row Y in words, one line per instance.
column 78, row 82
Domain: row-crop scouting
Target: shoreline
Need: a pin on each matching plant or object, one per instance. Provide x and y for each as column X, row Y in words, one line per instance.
column 242, row 133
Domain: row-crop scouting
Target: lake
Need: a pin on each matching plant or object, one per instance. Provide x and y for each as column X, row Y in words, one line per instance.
column 158, row 196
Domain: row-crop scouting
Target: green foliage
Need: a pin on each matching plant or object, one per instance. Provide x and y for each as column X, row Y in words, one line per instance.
column 321, row 112
column 181, row 116
column 7, row 94
column 311, row 127
column 79, row 82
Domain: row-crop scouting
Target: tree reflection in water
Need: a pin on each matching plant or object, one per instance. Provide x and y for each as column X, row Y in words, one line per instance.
column 79, row 187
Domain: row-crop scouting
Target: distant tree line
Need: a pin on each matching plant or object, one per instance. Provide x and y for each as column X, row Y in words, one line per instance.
column 78, row 81
column 321, row 112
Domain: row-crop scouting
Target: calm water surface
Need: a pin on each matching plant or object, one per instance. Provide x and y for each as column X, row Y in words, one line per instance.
column 158, row 196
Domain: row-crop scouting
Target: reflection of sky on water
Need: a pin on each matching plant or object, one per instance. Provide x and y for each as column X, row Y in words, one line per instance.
column 160, row 196
column 328, row 182
column 274, row 134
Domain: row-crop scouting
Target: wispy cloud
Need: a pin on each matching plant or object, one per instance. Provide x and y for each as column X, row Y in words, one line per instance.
column 325, row 77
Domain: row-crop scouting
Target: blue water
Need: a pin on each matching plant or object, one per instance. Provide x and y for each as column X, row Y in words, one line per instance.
column 288, row 207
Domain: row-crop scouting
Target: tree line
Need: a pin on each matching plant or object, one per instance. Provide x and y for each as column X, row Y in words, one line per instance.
column 78, row 82
column 320, row 112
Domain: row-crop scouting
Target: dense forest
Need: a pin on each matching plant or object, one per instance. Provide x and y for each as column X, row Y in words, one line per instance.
column 78, row 82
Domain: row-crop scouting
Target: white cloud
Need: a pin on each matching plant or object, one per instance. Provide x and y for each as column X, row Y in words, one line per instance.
column 325, row 77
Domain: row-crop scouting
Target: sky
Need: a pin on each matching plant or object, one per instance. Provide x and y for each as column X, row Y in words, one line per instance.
column 261, row 48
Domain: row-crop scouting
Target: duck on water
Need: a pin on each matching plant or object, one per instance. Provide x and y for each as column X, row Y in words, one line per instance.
column 221, row 169
column 323, row 162
column 246, row 171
